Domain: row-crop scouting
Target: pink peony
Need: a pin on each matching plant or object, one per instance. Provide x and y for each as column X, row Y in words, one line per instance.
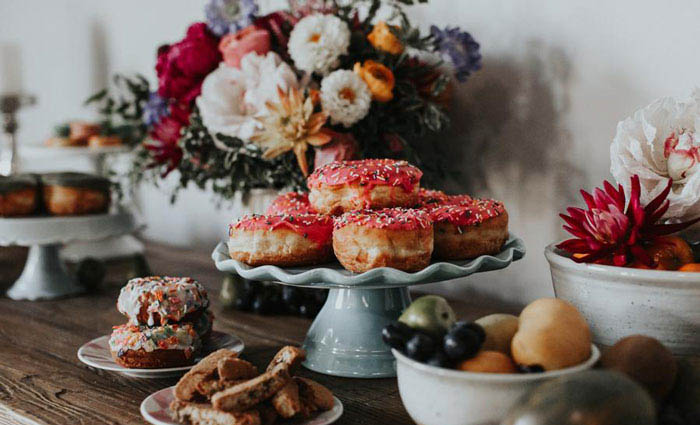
column 342, row 147
column 250, row 39
column 181, row 67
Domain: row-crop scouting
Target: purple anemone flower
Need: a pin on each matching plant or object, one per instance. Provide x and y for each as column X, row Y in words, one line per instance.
column 229, row 16
column 155, row 109
column 460, row 48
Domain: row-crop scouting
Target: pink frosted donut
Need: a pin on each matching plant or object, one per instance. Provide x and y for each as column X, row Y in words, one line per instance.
column 393, row 237
column 343, row 186
column 291, row 203
column 468, row 230
column 282, row 240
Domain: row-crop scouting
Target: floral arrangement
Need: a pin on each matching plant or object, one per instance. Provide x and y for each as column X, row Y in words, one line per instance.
column 655, row 158
column 247, row 100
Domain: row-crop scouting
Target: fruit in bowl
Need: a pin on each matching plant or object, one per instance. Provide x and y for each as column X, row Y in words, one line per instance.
column 466, row 374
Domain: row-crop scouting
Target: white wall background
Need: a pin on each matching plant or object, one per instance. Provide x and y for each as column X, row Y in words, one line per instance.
column 532, row 127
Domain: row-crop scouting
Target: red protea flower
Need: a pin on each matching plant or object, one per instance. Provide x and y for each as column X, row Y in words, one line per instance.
column 613, row 231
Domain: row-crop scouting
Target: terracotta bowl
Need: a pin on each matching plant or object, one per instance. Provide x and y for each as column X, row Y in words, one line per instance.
column 621, row 301
column 437, row 396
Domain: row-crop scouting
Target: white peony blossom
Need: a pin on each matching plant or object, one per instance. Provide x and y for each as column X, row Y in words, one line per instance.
column 345, row 96
column 232, row 98
column 317, row 42
column 659, row 142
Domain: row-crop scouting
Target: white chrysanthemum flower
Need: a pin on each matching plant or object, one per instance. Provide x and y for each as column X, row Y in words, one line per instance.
column 232, row 98
column 345, row 96
column 317, row 42
column 659, row 142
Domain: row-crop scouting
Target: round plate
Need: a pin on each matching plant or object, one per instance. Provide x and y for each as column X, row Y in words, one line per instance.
column 43, row 230
column 96, row 354
column 154, row 409
column 333, row 275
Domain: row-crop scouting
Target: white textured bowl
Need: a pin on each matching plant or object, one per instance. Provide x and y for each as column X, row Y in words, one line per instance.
column 437, row 396
column 621, row 301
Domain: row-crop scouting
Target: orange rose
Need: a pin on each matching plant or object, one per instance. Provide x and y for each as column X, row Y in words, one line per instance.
column 382, row 38
column 378, row 78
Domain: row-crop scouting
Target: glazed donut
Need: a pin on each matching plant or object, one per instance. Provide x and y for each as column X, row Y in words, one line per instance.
column 146, row 347
column 394, row 237
column 344, row 186
column 468, row 230
column 98, row 141
column 157, row 300
column 291, row 203
column 75, row 193
column 281, row 240
column 18, row 195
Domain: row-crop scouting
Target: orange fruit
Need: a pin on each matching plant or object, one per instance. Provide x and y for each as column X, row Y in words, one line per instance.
column 488, row 362
column 670, row 252
column 690, row 267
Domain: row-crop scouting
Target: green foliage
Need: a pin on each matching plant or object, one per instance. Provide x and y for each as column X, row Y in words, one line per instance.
column 239, row 168
column 121, row 108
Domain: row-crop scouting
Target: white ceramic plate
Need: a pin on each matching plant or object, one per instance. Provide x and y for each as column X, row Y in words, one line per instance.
column 96, row 354
column 154, row 409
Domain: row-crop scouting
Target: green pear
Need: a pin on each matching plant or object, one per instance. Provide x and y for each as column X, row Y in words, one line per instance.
column 430, row 314
column 499, row 329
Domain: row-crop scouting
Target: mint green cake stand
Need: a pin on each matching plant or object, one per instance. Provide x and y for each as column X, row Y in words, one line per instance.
column 345, row 338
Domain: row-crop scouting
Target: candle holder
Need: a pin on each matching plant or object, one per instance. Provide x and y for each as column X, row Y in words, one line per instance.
column 10, row 104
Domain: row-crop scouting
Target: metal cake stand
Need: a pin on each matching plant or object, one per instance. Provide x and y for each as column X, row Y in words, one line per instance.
column 44, row 275
column 345, row 338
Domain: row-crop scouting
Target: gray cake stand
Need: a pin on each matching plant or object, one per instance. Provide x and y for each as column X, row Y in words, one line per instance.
column 44, row 275
column 345, row 338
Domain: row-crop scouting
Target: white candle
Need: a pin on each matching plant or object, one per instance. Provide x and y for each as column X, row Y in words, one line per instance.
column 10, row 69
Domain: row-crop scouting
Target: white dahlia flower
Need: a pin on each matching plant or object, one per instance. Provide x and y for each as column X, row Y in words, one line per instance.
column 232, row 98
column 345, row 97
column 317, row 42
column 659, row 142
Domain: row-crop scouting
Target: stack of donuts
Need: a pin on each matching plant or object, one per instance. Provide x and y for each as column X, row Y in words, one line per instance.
column 367, row 214
column 168, row 322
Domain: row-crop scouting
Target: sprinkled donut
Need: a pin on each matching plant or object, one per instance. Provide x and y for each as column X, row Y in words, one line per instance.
column 145, row 347
column 430, row 197
column 282, row 240
column 469, row 229
column 291, row 203
column 394, row 237
column 157, row 300
column 343, row 186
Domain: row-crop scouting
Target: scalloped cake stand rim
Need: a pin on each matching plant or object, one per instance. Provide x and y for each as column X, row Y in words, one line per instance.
column 334, row 276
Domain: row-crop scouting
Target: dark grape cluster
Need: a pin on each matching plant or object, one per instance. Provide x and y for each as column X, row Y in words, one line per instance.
column 271, row 298
column 460, row 342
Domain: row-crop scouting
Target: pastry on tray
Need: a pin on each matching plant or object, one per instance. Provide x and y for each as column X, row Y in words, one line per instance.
column 291, row 203
column 225, row 390
column 394, row 237
column 71, row 193
column 81, row 131
column 18, row 195
column 468, row 229
column 98, row 141
column 344, row 186
column 281, row 240
column 151, row 347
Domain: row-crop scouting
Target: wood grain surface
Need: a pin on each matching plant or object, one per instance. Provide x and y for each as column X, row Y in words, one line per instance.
column 42, row 381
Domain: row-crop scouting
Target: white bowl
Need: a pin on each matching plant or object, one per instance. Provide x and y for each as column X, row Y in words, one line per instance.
column 437, row 396
column 621, row 301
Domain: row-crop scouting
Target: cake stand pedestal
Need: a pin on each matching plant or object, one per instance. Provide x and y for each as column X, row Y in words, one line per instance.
column 345, row 338
column 45, row 275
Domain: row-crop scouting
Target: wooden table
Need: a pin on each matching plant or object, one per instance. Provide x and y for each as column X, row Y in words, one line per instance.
column 42, row 381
